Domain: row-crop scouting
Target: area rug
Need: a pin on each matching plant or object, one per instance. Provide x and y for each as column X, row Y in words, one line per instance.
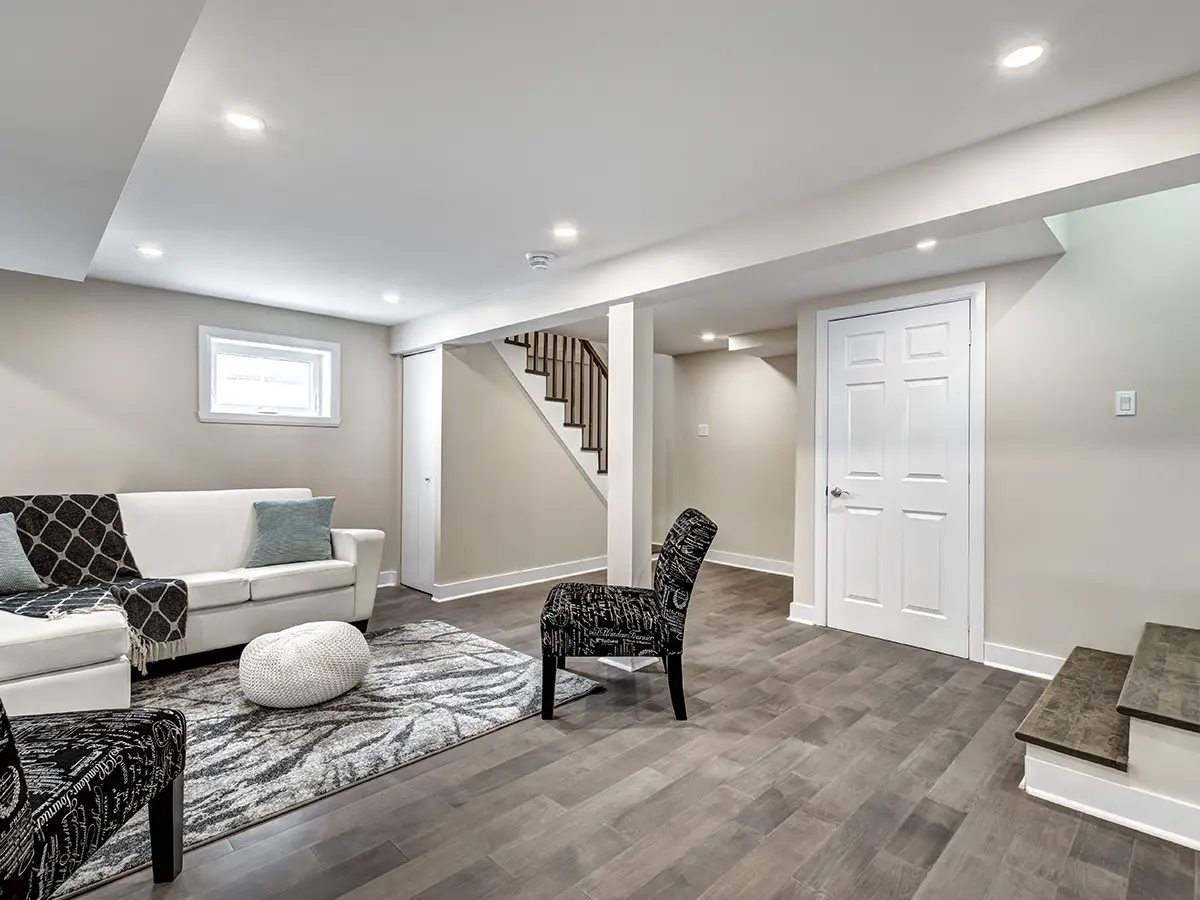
column 431, row 687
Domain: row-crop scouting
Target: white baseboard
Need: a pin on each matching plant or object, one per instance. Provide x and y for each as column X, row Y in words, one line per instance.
column 802, row 613
column 757, row 563
column 998, row 656
column 388, row 579
column 458, row 589
column 1114, row 800
column 1025, row 662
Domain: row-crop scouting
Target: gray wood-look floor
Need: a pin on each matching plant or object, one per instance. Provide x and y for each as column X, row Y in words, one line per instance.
column 816, row 764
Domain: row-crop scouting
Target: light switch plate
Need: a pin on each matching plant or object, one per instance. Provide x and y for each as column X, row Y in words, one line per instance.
column 701, row 431
column 1126, row 403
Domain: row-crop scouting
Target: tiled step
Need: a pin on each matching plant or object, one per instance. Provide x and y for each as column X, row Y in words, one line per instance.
column 1164, row 681
column 1077, row 713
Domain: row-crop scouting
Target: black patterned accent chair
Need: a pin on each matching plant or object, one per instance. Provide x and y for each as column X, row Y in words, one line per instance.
column 606, row 620
column 68, row 781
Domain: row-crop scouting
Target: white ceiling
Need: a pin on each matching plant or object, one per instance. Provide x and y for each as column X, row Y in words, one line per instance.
column 760, row 298
column 424, row 147
column 79, row 86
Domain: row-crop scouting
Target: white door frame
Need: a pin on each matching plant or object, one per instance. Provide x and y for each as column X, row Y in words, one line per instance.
column 977, row 294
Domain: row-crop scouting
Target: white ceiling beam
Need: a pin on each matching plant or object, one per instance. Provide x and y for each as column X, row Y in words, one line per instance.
column 1146, row 142
column 764, row 344
column 81, row 84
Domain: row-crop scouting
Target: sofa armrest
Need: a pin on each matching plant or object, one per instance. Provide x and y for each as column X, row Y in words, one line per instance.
column 364, row 548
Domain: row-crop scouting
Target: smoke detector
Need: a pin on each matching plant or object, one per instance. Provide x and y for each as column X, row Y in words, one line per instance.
column 540, row 259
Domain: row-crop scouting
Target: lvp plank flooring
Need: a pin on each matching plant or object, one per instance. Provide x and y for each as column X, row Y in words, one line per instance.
column 816, row 765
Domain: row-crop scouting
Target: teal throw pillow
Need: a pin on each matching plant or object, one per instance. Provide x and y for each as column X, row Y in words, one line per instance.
column 292, row 531
column 16, row 572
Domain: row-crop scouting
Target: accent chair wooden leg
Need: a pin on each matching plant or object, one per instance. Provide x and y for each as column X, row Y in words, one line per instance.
column 166, row 832
column 675, row 682
column 549, row 676
column 562, row 662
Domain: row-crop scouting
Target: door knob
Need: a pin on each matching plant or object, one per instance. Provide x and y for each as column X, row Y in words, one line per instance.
column 836, row 492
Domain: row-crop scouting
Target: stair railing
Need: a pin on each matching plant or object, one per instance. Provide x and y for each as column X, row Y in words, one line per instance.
column 575, row 376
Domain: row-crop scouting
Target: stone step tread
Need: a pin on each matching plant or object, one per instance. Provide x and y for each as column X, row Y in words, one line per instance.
column 1077, row 713
column 1164, row 681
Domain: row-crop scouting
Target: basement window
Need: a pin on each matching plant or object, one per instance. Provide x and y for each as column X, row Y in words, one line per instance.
column 266, row 379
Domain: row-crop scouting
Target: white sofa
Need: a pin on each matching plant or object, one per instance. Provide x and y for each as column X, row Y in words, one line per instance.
column 205, row 538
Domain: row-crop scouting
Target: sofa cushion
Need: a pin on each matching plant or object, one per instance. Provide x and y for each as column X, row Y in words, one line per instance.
column 31, row 646
column 208, row 590
column 16, row 571
column 273, row 582
column 292, row 531
column 172, row 533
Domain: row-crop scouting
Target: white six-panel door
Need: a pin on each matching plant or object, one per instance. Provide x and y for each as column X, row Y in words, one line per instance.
column 898, row 464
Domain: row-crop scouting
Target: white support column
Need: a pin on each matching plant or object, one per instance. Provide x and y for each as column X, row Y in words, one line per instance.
column 630, row 452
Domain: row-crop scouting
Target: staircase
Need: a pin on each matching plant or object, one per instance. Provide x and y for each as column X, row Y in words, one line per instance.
column 576, row 377
column 1118, row 736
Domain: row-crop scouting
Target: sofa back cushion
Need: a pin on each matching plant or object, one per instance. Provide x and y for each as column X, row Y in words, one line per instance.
column 174, row 533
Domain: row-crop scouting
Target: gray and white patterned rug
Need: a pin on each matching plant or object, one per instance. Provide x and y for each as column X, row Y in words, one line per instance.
column 431, row 687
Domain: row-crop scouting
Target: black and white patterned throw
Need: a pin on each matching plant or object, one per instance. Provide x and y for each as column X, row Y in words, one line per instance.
column 76, row 544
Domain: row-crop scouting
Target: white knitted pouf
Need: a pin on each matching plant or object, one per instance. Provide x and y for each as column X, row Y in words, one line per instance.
column 304, row 665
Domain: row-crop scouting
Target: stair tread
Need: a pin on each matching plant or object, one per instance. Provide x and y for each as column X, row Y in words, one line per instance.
column 1164, row 681
column 1077, row 713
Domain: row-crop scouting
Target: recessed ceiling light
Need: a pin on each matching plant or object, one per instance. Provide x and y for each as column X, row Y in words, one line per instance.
column 1023, row 56
column 148, row 251
column 391, row 298
column 566, row 233
column 927, row 244
column 244, row 122
column 708, row 336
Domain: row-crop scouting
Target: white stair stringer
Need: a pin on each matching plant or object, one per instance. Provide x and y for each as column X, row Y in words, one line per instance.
column 552, row 414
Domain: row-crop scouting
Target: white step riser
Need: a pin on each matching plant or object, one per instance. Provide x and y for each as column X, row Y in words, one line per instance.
column 1158, row 796
column 1165, row 760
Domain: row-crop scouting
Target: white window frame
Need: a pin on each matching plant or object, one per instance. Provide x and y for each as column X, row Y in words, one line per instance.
column 283, row 347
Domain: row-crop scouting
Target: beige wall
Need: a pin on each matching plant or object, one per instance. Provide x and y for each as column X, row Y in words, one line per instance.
column 743, row 474
column 1091, row 530
column 98, row 391
column 663, row 509
column 512, row 497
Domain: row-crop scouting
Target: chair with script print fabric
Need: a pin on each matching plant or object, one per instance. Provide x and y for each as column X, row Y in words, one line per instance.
column 606, row 620
column 69, row 781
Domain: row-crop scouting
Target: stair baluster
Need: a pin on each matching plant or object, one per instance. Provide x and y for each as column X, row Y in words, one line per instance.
column 575, row 376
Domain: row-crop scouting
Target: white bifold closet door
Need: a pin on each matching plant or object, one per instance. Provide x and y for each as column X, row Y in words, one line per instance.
column 421, row 467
